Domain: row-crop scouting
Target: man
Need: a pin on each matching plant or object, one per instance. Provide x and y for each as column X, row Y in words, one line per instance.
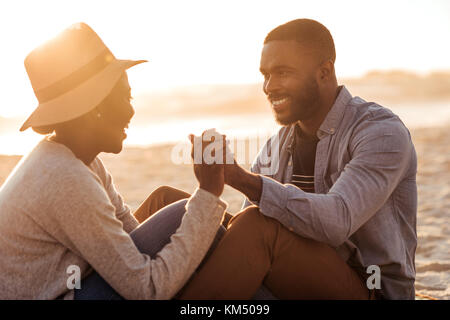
column 338, row 199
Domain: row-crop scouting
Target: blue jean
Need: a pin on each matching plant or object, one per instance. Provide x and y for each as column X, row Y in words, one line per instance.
column 150, row 238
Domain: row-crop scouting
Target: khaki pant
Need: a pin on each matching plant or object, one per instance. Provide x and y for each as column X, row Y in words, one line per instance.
column 258, row 250
column 162, row 197
column 158, row 199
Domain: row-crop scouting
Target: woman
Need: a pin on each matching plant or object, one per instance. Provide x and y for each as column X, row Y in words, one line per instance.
column 59, row 209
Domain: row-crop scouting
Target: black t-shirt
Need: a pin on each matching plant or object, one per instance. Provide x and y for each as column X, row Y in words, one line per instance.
column 303, row 157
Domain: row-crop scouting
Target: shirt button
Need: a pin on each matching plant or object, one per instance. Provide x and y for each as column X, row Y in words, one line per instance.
column 291, row 229
column 332, row 130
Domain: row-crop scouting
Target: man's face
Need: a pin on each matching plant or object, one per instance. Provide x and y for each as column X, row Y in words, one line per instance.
column 116, row 112
column 289, row 80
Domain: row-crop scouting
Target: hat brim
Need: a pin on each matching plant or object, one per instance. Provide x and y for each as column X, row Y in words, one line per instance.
column 81, row 99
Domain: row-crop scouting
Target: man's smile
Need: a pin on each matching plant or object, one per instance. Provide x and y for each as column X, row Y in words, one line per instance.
column 280, row 104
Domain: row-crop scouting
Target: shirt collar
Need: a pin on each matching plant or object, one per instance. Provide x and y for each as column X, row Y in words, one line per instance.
column 331, row 121
column 334, row 116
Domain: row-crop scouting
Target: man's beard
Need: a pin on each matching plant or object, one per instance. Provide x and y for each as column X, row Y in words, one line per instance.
column 303, row 106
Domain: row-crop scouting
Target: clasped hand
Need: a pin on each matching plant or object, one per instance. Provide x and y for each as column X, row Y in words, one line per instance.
column 212, row 160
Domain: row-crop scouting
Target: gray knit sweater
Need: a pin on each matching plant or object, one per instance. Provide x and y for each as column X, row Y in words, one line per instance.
column 55, row 212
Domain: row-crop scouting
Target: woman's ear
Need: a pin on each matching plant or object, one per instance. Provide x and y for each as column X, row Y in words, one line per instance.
column 96, row 114
column 92, row 119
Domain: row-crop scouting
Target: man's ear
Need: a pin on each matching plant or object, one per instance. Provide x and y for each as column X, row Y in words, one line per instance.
column 326, row 71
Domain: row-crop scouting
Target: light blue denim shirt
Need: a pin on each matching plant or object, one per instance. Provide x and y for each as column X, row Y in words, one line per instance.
column 365, row 205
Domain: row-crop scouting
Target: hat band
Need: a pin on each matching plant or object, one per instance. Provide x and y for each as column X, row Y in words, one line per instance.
column 76, row 78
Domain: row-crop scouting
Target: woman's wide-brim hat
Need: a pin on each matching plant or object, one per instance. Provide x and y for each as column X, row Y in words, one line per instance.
column 71, row 74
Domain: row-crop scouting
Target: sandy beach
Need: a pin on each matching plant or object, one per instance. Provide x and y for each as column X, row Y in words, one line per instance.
column 138, row 171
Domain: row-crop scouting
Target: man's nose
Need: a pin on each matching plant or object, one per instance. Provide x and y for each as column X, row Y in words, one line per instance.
column 271, row 85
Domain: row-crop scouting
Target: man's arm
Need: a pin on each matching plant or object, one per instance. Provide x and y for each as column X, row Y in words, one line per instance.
column 381, row 153
column 246, row 182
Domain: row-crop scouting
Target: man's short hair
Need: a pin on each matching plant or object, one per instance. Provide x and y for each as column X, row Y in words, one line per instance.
column 307, row 32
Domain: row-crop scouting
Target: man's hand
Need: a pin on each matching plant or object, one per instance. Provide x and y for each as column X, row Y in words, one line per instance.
column 209, row 174
column 234, row 175
column 240, row 179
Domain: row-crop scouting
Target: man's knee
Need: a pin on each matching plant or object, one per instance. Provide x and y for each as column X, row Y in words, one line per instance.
column 165, row 195
column 162, row 191
column 249, row 217
column 159, row 198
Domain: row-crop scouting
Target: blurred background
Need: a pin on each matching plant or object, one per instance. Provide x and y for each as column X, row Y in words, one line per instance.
column 203, row 72
column 204, row 59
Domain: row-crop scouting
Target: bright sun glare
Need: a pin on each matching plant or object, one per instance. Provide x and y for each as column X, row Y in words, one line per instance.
column 211, row 42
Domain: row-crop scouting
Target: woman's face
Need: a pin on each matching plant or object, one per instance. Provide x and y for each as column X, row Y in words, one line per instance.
column 114, row 115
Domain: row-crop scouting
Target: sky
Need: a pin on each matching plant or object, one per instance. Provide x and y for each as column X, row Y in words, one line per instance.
column 219, row 42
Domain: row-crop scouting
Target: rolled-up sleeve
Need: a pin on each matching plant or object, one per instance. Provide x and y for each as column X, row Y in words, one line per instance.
column 254, row 169
column 381, row 152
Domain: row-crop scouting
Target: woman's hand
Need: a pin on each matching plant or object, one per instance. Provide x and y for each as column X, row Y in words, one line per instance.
column 207, row 153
